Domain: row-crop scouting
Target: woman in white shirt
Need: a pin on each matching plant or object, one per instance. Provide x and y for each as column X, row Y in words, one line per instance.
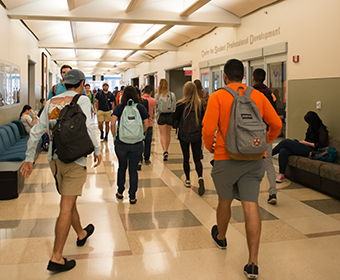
column 26, row 119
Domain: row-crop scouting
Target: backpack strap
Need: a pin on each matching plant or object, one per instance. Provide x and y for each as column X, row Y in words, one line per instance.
column 75, row 99
column 53, row 90
column 247, row 92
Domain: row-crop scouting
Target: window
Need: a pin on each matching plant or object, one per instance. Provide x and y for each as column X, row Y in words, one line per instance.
column 9, row 84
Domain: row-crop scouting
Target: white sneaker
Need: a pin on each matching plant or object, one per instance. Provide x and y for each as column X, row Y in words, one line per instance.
column 187, row 184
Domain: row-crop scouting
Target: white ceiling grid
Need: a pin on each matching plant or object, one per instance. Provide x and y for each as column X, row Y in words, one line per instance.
column 111, row 36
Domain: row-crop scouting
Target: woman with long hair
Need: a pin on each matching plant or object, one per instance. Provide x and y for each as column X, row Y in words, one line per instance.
column 189, row 114
column 128, row 153
column 26, row 119
column 202, row 93
column 165, row 106
column 316, row 137
column 204, row 96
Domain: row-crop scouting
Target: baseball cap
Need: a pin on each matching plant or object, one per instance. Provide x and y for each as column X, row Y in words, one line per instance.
column 73, row 76
column 105, row 84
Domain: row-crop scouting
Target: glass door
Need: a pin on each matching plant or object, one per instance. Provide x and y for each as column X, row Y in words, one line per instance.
column 277, row 84
column 205, row 79
column 216, row 78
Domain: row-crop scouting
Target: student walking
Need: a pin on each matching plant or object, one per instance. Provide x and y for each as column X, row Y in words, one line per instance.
column 259, row 75
column 189, row 114
column 105, row 103
column 165, row 106
column 148, row 135
column 69, row 177
column 237, row 178
column 129, row 150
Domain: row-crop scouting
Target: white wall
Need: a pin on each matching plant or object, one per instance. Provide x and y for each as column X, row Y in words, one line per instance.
column 309, row 26
column 17, row 45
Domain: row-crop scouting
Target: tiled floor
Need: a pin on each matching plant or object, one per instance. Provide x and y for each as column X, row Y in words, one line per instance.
column 166, row 235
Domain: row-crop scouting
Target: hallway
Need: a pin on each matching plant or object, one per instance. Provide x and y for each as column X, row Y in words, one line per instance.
column 166, row 235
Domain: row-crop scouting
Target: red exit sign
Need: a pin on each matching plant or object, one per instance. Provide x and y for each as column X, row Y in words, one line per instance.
column 188, row 72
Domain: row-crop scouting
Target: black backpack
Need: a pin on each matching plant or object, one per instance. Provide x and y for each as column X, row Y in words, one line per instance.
column 70, row 138
column 189, row 130
column 145, row 103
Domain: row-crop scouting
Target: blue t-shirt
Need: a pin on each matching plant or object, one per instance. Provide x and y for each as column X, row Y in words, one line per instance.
column 59, row 89
column 118, row 111
column 105, row 100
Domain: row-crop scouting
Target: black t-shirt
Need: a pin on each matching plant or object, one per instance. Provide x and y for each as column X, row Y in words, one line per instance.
column 105, row 100
column 118, row 111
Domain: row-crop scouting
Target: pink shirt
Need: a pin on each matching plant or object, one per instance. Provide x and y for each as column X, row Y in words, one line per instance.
column 151, row 103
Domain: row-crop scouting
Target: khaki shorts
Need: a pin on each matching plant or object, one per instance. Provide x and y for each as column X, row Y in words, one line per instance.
column 69, row 177
column 104, row 116
column 239, row 179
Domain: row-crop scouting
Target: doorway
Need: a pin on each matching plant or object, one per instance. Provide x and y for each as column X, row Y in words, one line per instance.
column 31, row 83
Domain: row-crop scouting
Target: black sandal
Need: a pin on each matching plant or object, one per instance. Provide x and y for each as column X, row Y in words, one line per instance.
column 119, row 196
column 133, row 201
column 165, row 156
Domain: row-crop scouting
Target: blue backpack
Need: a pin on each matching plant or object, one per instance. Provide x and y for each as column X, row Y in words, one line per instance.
column 130, row 124
column 327, row 154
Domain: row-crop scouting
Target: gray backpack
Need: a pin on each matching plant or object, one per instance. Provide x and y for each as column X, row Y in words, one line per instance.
column 246, row 136
column 167, row 103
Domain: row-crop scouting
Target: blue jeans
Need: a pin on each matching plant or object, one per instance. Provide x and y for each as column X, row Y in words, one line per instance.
column 147, row 143
column 287, row 148
column 128, row 153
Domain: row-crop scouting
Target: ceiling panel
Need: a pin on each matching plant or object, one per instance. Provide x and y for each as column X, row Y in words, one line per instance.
column 97, row 35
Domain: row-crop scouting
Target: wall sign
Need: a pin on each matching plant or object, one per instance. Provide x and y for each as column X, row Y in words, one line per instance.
column 249, row 40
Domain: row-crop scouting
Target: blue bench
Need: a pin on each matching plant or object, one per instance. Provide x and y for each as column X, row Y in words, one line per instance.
column 13, row 146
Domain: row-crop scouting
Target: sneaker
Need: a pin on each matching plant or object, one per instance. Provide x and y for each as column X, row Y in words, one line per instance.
column 222, row 244
column 165, row 156
column 101, row 135
column 272, row 199
column 251, row 271
column 147, row 161
column 201, row 189
column 187, row 184
column 139, row 167
column 281, row 178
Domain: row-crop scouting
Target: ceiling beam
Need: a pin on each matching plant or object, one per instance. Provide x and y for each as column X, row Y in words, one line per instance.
column 71, row 5
column 194, row 7
column 130, row 54
column 116, row 32
column 74, row 31
column 156, row 35
column 131, row 6
column 209, row 15
column 136, row 59
column 90, row 44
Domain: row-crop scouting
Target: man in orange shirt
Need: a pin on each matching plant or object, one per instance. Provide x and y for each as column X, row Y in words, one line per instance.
column 238, row 179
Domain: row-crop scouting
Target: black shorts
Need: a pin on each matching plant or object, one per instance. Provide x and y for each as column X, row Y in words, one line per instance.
column 165, row 118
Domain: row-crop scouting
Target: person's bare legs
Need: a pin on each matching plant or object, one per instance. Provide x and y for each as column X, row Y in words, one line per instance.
column 253, row 229
column 163, row 134
column 75, row 222
column 223, row 214
column 168, row 136
column 100, row 125
column 62, row 226
column 107, row 127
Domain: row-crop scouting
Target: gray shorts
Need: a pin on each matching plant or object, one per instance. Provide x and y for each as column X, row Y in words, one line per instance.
column 238, row 179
